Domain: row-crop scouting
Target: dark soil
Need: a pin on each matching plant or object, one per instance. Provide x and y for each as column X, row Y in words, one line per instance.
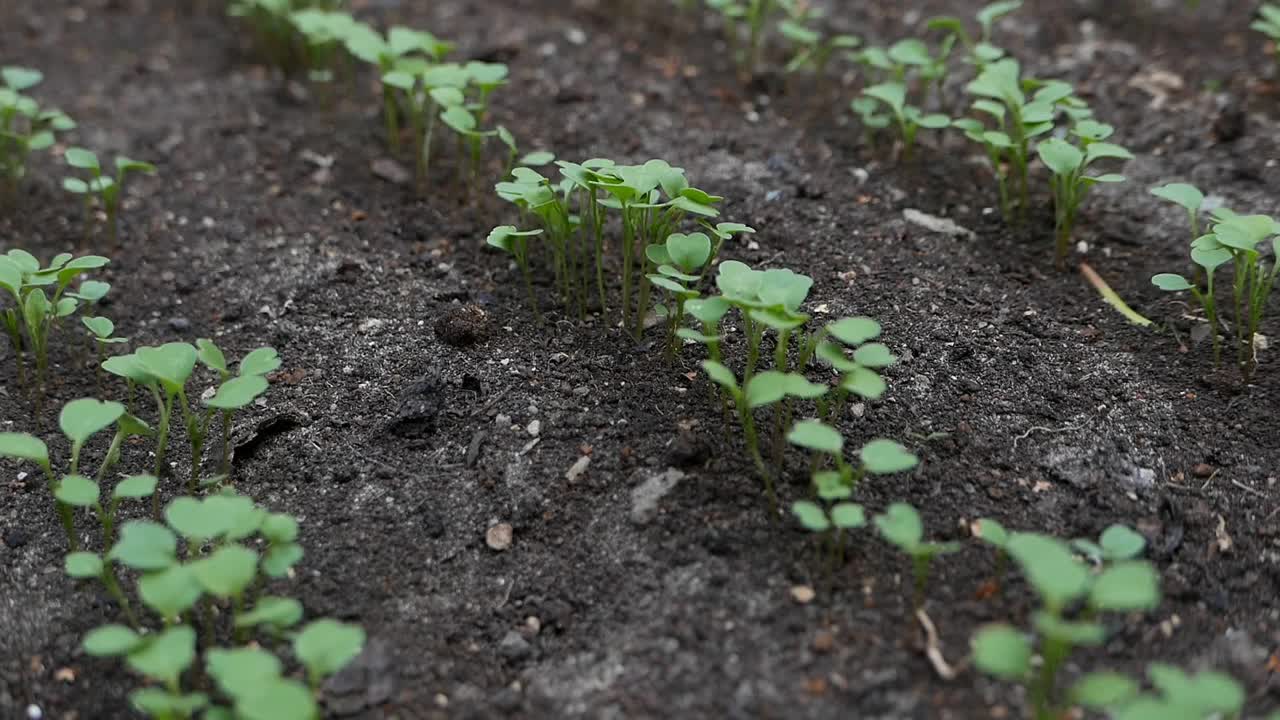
column 1028, row 399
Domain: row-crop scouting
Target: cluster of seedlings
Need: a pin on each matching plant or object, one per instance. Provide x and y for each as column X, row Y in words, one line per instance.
column 194, row 580
column 422, row 92
column 26, row 127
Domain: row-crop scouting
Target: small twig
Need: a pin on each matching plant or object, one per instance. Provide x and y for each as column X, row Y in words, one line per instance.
column 1248, row 489
column 932, row 647
column 1207, row 482
column 1065, row 428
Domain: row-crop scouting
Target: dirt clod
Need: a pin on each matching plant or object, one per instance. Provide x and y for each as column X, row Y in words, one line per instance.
column 462, row 325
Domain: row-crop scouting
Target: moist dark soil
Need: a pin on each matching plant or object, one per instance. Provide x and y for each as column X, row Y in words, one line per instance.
column 420, row 405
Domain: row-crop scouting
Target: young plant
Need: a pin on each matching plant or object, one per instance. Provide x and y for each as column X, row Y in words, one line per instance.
column 1233, row 239
column 403, row 49
column 248, row 678
column 1207, row 695
column 750, row 18
column 102, row 332
column 994, row 534
column 1070, row 183
column 980, row 50
column 859, row 374
column 25, row 127
column 1062, row 583
column 680, row 262
column 1188, row 197
column 323, row 36
column 812, row 50
column 901, row 526
column 34, row 315
column 234, row 391
column 104, row 187
column 1116, row 544
column 909, row 118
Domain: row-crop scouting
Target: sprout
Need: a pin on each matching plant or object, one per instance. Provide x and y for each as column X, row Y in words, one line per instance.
column 105, row 188
column 1268, row 23
column 402, row 47
column 25, row 127
column 1062, row 583
column 1070, row 184
column 909, row 117
column 900, row 524
column 1233, row 239
column 812, row 49
column 34, row 315
column 325, row 646
column 679, row 263
column 980, row 50
column 749, row 17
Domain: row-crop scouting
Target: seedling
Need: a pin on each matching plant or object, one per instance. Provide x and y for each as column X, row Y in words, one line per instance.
column 1061, row 582
column 402, row 48
column 1203, row 696
column 323, row 37
column 1070, row 184
column 812, row 49
column 994, row 534
column 235, row 391
column 1116, row 544
column 981, row 51
column 249, row 681
column 909, row 118
column 34, row 315
column 104, row 187
column 1234, row 239
column 1188, row 197
column 25, row 127
column 1002, row 96
column 860, row 374
column 1268, row 23
column 680, row 262
column 749, row 17
column 272, row 25
column 900, row 525
column 102, row 331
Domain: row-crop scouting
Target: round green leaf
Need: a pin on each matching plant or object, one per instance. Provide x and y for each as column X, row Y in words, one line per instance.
column 228, row 571
column 1125, row 586
column 211, row 356
column 279, row 700
column 242, row 672
column 24, row 447
column 145, row 545
column 864, row 382
column 171, row 363
column 155, row 702
column 238, row 392
column 1188, row 196
column 1002, row 651
column 101, row 327
column 766, row 388
column 81, row 419
column 262, row 361
column 885, row 457
column 854, row 330
column 81, row 158
column 1171, row 282
column 77, row 491
column 280, row 528
column 135, row 486
column 811, row 516
column 1060, row 156
column 326, row 646
column 874, row 355
column 278, row 612
column 1102, row 690
column 689, row 252
column 816, row 435
column 1050, row 567
column 110, row 640
column 165, row 656
column 1120, row 543
column 196, row 520
column 280, row 558
column 901, row 525
column 848, row 516
column 83, row 565
column 992, row 532
column 170, row 592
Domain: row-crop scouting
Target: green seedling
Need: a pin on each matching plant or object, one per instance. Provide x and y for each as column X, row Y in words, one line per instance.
column 323, row 36
column 235, row 391
column 249, row 682
column 680, row 262
column 31, row 320
column 907, row 61
column 859, row 374
column 516, row 243
column 1070, row 184
column 421, row 90
column 104, row 187
column 1116, row 544
column 538, row 158
column 980, row 50
column 402, row 48
column 749, row 18
column 1233, row 239
column 909, row 118
column 102, row 332
column 812, row 50
column 901, row 526
column 1188, row 197
column 1207, row 695
column 1062, row 583
column 1002, row 97
column 1268, row 23
column 25, row 127
column 275, row 34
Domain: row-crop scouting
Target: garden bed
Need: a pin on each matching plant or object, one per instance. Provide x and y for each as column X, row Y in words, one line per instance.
column 1027, row 399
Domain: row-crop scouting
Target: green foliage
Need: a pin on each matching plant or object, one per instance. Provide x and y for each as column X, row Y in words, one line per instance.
column 106, row 188
column 1064, row 584
column 1237, row 240
column 902, row 527
column 745, row 25
column 909, row 118
column 811, row 48
column 1268, row 23
column 979, row 50
column 1069, row 164
column 33, row 314
column 1176, row 694
column 25, row 126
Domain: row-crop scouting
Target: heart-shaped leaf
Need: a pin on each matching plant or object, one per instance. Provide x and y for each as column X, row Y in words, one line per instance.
column 816, row 435
column 110, row 640
column 238, row 392
column 145, row 545
column 166, row 656
column 171, row 364
column 884, row 457
column 1002, row 651
column 24, row 447
column 689, row 252
column 853, row 331
column 77, row 491
column 811, row 516
column 83, row 565
column 135, row 486
column 242, row 672
column 170, row 592
column 901, row 525
column 196, row 519
column 81, row 419
column 278, row 612
column 228, row 571
column 326, row 646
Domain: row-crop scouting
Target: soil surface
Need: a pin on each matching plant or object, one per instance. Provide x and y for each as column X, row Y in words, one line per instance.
column 1027, row 399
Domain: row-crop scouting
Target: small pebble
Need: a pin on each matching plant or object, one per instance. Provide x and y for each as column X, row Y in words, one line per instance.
column 802, row 594
column 534, row 428
column 823, row 641
column 498, row 537
column 1203, row 470
column 179, row 324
